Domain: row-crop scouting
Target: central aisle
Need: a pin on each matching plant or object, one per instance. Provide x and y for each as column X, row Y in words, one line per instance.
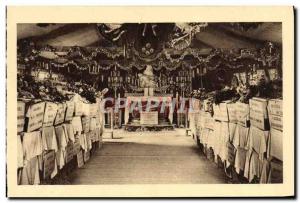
column 166, row 157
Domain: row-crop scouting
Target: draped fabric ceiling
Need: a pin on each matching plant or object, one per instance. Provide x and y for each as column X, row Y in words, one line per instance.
column 214, row 49
column 87, row 46
column 215, row 35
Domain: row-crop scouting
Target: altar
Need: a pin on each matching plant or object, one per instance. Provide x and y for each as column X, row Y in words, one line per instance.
column 146, row 108
column 148, row 112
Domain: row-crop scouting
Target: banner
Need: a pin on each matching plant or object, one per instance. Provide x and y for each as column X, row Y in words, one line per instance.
column 60, row 116
column 70, row 110
column 69, row 152
column 208, row 121
column 80, row 161
column 258, row 120
column 78, row 108
column 85, row 109
column 259, row 106
column 200, row 119
column 275, row 107
column 276, row 122
column 35, row 115
column 49, row 163
column 232, row 112
column 76, row 146
column 20, row 116
column 205, row 120
column 78, row 105
column 276, row 144
column 231, row 153
column 85, row 124
column 93, row 110
column 220, row 112
column 242, row 114
column 50, row 113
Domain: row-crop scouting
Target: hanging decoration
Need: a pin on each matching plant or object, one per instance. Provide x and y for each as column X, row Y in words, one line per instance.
column 111, row 31
column 184, row 33
column 83, row 58
column 144, row 40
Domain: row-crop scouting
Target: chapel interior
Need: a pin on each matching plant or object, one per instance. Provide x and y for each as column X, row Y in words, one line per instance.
column 149, row 103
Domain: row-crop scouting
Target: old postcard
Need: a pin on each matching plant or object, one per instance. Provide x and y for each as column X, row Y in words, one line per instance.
column 150, row 101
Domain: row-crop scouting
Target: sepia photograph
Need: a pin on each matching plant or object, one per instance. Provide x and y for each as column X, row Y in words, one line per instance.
column 169, row 103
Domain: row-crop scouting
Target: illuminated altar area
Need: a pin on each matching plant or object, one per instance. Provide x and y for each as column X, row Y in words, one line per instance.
column 149, row 75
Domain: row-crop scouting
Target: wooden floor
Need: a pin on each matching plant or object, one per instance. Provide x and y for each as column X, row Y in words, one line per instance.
column 149, row 158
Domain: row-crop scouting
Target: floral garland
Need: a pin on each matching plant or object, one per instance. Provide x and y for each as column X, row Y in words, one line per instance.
column 64, row 59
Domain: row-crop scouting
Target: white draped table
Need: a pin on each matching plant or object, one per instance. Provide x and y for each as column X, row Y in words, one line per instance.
column 134, row 100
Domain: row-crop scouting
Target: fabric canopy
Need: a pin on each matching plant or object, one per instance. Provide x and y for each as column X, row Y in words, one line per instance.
column 215, row 35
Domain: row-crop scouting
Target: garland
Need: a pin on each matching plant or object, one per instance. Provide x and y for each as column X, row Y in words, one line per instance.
column 163, row 59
